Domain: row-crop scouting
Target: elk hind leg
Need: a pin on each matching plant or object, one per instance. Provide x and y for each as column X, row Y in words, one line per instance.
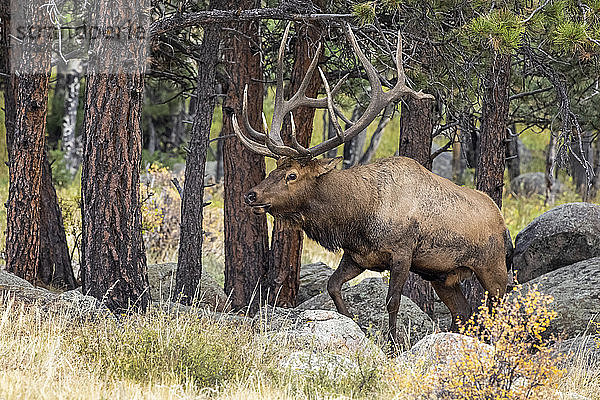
column 347, row 270
column 453, row 297
column 494, row 281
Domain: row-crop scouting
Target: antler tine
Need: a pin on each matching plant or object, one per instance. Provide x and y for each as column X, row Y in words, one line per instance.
column 322, row 102
column 261, row 137
column 255, row 147
column 372, row 73
column 273, row 138
column 274, row 135
column 399, row 61
column 330, row 106
column 264, row 121
column 401, row 87
column 379, row 98
column 339, row 137
column 282, row 107
column 299, row 98
column 301, row 149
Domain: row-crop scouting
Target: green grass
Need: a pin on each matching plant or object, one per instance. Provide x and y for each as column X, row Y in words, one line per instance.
column 520, row 211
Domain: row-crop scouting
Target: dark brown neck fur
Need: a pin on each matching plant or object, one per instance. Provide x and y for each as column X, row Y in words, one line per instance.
column 336, row 216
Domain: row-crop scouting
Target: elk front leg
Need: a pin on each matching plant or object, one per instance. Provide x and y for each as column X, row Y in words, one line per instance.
column 347, row 270
column 398, row 276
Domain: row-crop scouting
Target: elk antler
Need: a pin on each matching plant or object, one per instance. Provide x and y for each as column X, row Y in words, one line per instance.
column 271, row 144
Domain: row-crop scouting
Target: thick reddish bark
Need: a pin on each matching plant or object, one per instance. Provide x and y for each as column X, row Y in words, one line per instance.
column 489, row 176
column 494, row 118
column 113, row 259
column 286, row 243
column 30, row 73
column 416, row 128
column 55, row 261
column 246, row 238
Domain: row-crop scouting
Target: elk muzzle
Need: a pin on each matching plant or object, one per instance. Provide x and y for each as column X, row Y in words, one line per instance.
column 251, row 199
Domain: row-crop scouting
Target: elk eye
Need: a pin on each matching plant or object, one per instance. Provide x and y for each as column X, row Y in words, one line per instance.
column 291, row 177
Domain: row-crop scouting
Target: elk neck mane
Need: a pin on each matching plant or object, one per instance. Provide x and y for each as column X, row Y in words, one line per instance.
column 340, row 212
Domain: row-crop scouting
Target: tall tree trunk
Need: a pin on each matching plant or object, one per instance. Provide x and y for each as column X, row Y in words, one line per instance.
column 152, row 137
column 489, row 176
column 55, row 261
column 189, row 264
column 56, row 103
column 30, row 73
column 469, row 140
column 353, row 149
column 54, row 265
column 579, row 156
column 70, row 143
column 458, row 164
column 494, row 118
column 550, row 170
column 5, row 65
column 378, row 134
column 283, row 276
column 177, row 128
column 596, row 166
column 416, row 129
column 246, row 237
column 513, row 162
column 114, row 261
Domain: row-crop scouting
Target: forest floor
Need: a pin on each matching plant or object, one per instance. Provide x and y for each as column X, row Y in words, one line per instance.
column 191, row 356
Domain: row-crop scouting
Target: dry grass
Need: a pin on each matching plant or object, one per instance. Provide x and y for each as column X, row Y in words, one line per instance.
column 160, row 356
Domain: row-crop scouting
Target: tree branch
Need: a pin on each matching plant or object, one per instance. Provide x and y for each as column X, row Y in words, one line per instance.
column 181, row 21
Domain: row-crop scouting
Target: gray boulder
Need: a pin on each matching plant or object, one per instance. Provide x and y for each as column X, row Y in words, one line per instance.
column 313, row 280
column 366, row 301
column 440, row 350
column 70, row 304
column 161, row 278
column 316, row 363
column 322, row 341
column 583, row 350
column 576, row 292
column 442, row 164
column 534, row 183
column 9, row 281
column 325, row 330
column 559, row 237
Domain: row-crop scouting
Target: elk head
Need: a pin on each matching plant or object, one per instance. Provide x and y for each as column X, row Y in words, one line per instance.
column 297, row 169
column 290, row 186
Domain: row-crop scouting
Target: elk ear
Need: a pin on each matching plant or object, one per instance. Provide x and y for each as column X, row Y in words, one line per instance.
column 327, row 164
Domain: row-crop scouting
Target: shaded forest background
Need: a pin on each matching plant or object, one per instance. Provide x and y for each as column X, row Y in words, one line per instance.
column 498, row 71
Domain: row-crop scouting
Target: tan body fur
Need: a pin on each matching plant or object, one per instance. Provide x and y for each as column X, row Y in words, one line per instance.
column 392, row 215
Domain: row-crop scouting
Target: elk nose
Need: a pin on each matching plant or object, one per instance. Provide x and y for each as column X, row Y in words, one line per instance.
column 250, row 197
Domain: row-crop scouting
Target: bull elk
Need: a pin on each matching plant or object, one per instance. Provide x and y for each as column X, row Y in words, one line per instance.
column 391, row 215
